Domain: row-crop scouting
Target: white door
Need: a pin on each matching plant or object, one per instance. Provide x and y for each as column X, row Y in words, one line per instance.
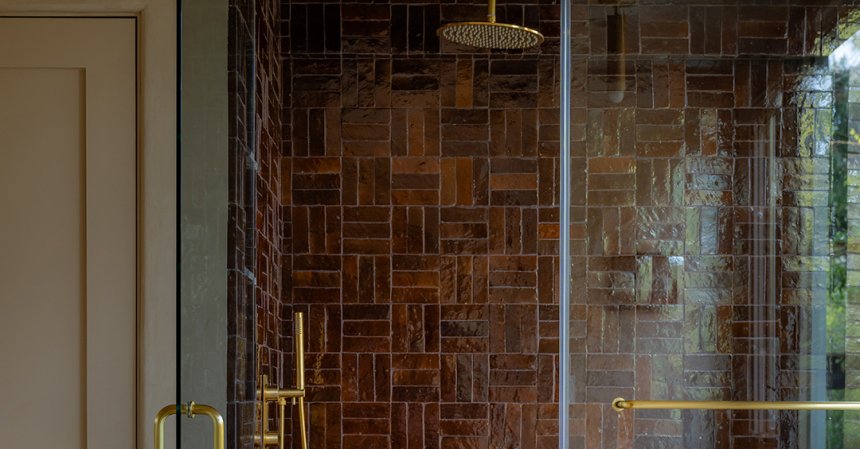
column 67, row 233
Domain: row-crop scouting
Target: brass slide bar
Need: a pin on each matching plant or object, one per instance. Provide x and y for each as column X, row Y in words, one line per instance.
column 621, row 404
column 190, row 410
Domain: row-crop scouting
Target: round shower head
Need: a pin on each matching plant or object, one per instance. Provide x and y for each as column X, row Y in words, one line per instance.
column 491, row 35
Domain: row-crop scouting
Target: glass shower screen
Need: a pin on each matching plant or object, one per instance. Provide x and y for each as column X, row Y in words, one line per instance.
column 710, row 225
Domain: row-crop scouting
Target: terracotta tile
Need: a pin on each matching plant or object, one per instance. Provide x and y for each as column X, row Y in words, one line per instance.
column 396, row 193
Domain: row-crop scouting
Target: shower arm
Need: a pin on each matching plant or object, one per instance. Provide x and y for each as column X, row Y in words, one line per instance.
column 271, row 393
column 491, row 11
column 621, row 404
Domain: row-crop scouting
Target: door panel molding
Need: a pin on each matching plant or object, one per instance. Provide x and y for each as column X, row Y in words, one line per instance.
column 156, row 192
column 103, row 52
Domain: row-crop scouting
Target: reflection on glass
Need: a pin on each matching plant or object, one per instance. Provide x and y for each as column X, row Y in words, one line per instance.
column 718, row 198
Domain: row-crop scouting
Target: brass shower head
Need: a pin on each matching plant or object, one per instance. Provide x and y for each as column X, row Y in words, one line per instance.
column 490, row 34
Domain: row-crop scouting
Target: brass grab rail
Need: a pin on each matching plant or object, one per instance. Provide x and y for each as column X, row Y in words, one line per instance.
column 621, row 404
column 190, row 410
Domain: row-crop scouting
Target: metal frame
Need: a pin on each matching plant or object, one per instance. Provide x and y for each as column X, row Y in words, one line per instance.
column 564, row 243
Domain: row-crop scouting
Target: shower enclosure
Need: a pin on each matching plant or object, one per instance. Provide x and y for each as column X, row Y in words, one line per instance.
column 710, row 228
column 566, row 246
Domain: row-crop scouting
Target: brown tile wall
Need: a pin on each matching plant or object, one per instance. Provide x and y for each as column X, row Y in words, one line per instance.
column 423, row 200
column 241, row 241
column 274, row 324
column 419, row 194
column 257, row 302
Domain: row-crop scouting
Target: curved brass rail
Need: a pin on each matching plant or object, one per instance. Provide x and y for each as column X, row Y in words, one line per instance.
column 621, row 404
column 160, row 417
column 190, row 410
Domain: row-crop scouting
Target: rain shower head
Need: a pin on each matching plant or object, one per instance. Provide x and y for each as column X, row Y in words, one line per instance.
column 490, row 34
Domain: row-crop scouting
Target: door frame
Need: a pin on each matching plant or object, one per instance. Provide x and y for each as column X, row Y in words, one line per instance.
column 156, row 186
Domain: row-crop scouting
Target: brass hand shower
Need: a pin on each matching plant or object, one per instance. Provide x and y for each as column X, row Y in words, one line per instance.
column 298, row 322
column 271, row 393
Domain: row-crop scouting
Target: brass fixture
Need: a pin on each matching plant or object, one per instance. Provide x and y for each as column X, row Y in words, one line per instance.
column 190, row 410
column 621, row 404
column 490, row 34
column 272, row 393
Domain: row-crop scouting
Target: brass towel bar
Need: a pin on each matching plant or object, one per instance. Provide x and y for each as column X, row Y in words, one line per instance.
column 621, row 404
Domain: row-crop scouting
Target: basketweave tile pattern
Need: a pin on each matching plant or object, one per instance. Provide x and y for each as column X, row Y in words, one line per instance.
column 419, row 220
column 424, row 233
